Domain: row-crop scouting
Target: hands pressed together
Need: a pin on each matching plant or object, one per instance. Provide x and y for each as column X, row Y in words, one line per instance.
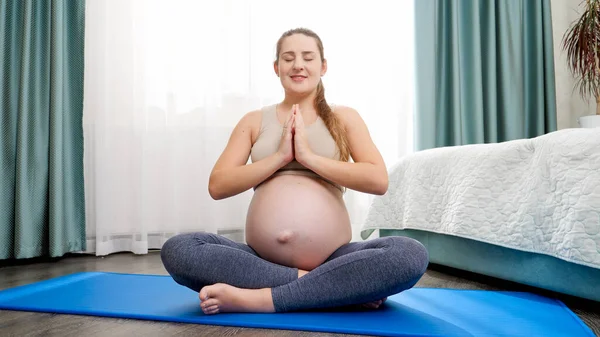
column 293, row 143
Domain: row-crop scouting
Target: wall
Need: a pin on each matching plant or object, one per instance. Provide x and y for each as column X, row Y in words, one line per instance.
column 569, row 103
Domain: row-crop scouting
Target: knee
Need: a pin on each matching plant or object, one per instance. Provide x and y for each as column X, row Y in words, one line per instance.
column 421, row 256
column 176, row 248
column 172, row 249
column 413, row 257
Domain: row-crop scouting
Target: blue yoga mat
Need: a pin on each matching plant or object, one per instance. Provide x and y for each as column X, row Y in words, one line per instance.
column 415, row 312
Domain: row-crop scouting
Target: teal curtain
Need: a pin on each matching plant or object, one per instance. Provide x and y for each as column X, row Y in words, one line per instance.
column 41, row 133
column 484, row 71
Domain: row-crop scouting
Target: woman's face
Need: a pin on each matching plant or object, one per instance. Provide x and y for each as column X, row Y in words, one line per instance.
column 300, row 67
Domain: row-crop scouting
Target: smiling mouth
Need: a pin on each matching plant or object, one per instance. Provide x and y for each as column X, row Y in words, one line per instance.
column 298, row 78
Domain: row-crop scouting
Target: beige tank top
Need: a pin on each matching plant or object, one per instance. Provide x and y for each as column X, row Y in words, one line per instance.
column 319, row 139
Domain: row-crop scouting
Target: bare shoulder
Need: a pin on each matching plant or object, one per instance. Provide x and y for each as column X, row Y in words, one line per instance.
column 362, row 147
column 252, row 117
column 349, row 116
column 250, row 122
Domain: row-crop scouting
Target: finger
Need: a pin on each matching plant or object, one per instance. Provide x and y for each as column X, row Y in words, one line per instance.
column 288, row 120
column 293, row 124
column 288, row 130
column 299, row 120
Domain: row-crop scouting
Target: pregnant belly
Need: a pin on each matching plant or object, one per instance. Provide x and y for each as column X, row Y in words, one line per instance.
column 297, row 221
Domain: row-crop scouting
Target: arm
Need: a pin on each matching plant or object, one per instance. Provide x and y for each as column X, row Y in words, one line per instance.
column 231, row 175
column 368, row 172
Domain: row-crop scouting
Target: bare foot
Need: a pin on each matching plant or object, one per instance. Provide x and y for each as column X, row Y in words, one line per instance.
column 225, row 298
column 374, row 305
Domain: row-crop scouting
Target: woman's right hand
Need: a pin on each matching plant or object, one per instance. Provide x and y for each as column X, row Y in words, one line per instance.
column 286, row 145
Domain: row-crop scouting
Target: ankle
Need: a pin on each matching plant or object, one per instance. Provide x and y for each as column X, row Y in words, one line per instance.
column 266, row 300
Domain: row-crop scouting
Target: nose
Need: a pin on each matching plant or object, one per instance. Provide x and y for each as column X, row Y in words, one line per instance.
column 298, row 64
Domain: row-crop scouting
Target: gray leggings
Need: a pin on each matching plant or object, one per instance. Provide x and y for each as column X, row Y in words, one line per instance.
column 358, row 272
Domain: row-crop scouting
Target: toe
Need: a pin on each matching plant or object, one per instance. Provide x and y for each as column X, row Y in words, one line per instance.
column 204, row 294
column 373, row 305
column 214, row 310
column 209, row 303
column 370, row 305
column 211, row 308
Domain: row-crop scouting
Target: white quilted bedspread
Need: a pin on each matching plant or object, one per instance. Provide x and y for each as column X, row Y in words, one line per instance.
column 538, row 195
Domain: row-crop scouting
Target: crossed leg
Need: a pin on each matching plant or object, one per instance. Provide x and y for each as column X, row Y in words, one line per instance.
column 231, row 277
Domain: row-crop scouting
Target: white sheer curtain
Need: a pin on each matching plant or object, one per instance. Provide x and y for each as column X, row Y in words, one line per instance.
column 166, row 82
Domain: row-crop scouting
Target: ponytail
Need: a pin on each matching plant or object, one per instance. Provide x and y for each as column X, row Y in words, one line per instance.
column 333, row 123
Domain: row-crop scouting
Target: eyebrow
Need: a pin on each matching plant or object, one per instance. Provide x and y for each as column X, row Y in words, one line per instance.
column 303, row 53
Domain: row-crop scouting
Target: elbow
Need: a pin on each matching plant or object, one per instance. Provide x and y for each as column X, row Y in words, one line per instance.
column 381, row 187
column 214, row 194
column 213, row 189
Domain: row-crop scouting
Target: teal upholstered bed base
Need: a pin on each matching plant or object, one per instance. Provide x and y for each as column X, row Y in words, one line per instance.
column 532, row 269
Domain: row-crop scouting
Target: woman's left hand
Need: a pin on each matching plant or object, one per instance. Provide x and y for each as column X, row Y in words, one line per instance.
column 301, row 149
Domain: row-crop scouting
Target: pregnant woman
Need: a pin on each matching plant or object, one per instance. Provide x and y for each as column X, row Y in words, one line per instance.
column 298, row 254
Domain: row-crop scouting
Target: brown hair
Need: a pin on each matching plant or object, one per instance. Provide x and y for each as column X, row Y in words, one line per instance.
column 333, row 123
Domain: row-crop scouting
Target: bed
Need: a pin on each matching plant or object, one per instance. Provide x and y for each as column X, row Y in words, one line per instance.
column 526, row 210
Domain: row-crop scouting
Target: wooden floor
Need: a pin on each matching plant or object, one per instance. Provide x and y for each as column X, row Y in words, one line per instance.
column 14, row 323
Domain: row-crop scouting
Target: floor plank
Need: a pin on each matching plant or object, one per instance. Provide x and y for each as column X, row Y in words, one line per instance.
column 16, row 323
